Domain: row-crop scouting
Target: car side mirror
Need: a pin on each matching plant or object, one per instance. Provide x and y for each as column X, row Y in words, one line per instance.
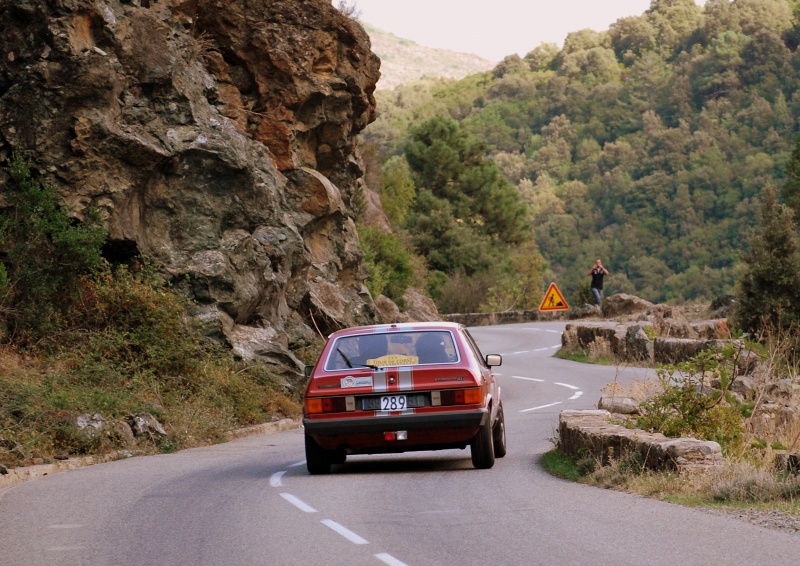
column 494, row 360
column 308, row 370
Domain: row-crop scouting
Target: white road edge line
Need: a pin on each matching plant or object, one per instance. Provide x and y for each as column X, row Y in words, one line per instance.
column 275, row 479
column 540, row 407
column 567, row 385
column 389, row 559
column 346, row 533
column 303, row 506
column 300, row 463
column 527, row 378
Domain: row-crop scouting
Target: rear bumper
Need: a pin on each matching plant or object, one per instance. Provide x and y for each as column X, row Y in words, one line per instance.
column 417, row 421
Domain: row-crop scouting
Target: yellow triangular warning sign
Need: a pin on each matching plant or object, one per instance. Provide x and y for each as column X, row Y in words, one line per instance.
column 553, row 300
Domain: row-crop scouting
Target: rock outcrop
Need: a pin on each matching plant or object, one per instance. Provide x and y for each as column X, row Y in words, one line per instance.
column 217, row 138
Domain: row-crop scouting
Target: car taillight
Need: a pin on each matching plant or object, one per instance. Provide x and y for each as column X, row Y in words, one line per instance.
column 472, row 396
column 315, row 405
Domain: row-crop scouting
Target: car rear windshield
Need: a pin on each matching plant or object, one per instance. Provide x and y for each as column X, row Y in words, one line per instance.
column 392, row 349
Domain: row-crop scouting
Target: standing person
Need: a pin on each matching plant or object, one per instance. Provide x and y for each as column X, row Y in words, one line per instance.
column 597, row 272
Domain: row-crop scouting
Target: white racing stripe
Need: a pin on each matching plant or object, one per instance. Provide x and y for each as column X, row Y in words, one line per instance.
column 404, row 380
column 379, row 381
column 303, row 506
column 346, row 533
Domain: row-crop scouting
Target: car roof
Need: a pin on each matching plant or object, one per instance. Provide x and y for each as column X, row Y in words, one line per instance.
column 397, row 327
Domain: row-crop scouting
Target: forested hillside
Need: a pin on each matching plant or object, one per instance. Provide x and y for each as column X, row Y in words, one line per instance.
column 648, row 145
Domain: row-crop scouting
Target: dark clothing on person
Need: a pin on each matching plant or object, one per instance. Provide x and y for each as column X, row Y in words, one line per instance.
column 597, row 277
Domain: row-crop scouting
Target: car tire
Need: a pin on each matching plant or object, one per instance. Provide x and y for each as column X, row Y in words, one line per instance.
column 499, row 434
column 318, row 460
column 482, row 447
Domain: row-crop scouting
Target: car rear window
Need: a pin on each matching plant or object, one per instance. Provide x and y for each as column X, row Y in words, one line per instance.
column 392, row 349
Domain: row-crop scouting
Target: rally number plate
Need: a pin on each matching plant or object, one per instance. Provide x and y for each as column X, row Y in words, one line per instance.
column 393, row 403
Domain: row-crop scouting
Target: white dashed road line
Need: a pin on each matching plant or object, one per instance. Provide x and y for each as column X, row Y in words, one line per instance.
column 346, row 533
column 577, row 394
column 527, row 378
column 567, row 385
column 389, row 559
column 540, row 407
column 275, row 479
column 303, row 506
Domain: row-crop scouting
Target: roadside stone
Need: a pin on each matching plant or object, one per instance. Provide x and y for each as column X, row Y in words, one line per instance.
column 619, row 405
column 145, row 424
column 91, row 425
column 782, row 390
column 746, row 386
column 121, row 431
column 638, row 347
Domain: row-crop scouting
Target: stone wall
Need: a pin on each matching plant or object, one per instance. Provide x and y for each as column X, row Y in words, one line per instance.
column 592, row 434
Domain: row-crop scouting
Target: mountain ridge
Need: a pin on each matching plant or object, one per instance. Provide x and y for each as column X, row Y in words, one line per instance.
column 403, row 60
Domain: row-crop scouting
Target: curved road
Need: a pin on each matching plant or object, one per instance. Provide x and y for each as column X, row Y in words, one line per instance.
column 251, row 502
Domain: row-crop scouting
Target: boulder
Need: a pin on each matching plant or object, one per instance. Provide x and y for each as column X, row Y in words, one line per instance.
column 388, row 311
column 638, row 347
column 91, row 425
column 623, row 304
column 419, row 307
column 619, row 405
column 147, row 426
column 744, row 385
column 781, row 391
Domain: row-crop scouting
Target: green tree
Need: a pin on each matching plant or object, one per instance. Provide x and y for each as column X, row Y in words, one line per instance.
column 452, row 167
column 45, row 255
column 768, row 294
column 397, row 189
column 790, row 194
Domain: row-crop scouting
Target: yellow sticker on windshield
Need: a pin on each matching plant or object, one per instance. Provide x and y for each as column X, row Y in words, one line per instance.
column 394, row 360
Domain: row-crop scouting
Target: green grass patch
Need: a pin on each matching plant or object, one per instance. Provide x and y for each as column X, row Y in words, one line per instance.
column 560, row 465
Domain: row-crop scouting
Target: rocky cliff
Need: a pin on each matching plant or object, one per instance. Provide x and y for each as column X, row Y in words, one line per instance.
column 215, row 137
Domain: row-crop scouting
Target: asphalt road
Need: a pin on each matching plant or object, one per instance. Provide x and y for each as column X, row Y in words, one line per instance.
column 251, row 502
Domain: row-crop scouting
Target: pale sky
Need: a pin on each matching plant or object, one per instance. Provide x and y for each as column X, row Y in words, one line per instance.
column 493, row 29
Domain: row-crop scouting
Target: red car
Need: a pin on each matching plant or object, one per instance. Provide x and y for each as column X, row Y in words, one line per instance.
column 401, row 388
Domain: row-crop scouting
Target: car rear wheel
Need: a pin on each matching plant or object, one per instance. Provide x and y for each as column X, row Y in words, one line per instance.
column 482, row 448
column 318, row 460
column 499, row 434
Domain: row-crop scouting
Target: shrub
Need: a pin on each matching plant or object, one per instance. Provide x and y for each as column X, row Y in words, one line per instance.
column 45, row 255
column 685, row 406
column 389, row 263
